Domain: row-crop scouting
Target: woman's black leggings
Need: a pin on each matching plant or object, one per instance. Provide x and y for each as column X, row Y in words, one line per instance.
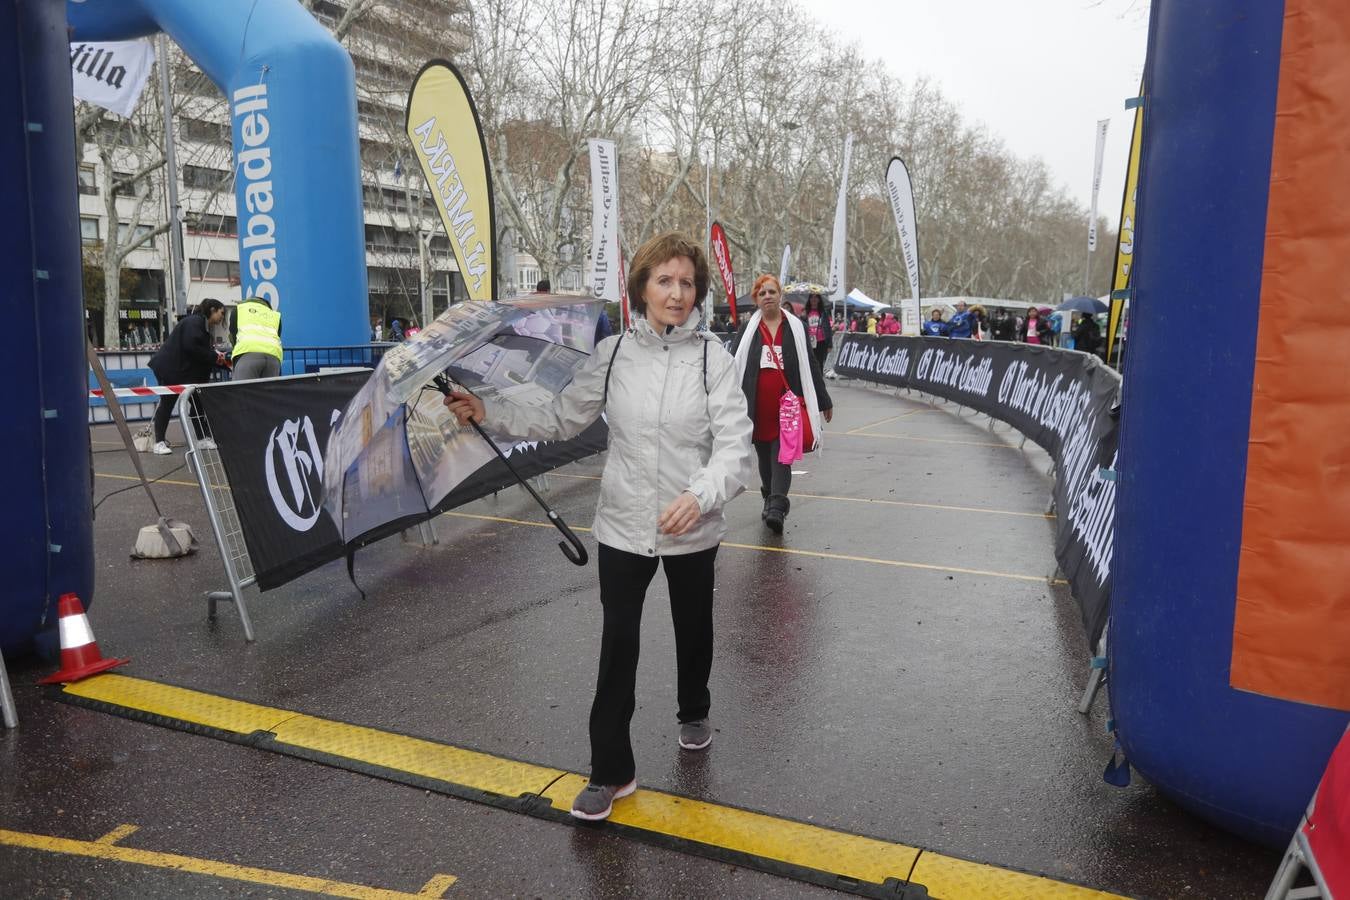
column 624, row 578
column 164, row 414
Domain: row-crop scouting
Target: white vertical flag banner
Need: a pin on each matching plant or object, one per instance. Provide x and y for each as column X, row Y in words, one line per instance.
column 787, row 261
column 901, row 191
column 1102, row 125
column 111, row 74
column 839, row 247
column 604, row 272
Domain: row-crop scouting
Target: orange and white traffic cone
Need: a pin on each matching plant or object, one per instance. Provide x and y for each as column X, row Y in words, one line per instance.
column 80, row 657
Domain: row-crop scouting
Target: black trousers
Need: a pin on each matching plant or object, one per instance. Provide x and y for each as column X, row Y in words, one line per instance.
column 624, row 578
column 164, row 415
column 775, row 478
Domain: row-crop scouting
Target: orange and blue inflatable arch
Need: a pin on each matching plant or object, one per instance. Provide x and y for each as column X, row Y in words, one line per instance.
column 1230, row 630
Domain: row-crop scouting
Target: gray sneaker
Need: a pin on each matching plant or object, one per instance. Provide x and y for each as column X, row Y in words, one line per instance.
column 695, row 735
column 596, row 801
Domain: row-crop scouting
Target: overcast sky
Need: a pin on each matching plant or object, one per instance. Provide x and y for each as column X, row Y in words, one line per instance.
column 1037, row 73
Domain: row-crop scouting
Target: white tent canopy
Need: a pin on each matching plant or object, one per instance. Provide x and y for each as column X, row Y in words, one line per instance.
column 859, row 299
column 986, row 302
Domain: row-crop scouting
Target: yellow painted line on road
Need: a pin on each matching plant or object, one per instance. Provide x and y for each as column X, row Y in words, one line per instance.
column 460, row 515
column 118, row 833
column 149, row 478
column 861, row 428
column 914, row 503
column 922, row 440
column 102, row 849
column 769, row 843
column 819, row 554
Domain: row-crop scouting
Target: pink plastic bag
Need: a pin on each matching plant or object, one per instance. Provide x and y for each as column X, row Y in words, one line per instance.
column 789, row 428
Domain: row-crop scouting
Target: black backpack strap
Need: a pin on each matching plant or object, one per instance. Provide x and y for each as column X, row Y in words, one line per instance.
column 706, row 392
column 605, row 401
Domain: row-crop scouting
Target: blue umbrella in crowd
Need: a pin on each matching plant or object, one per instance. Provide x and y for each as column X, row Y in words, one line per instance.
column 1090, row 305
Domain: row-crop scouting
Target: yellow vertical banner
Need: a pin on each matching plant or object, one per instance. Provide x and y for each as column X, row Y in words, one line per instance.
column 447, row 138
column 1125, row 246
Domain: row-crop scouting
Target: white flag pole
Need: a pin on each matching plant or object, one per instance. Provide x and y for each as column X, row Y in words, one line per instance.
column 1102, row 125
column 177, row 281
column 783, row 268
column 839, row 246
column 707, row 207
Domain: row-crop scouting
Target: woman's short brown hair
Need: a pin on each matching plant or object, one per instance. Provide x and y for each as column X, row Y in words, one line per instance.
column 658, row 250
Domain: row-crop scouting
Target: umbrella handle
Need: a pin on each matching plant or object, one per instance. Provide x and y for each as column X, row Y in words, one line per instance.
column 572, row 548
column 577, row 551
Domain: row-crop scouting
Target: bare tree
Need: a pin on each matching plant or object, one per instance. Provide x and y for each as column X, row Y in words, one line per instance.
column 130, row 198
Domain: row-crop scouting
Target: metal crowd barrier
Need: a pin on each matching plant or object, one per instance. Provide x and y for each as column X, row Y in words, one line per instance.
column 204, row 461
column 8, row 713
column 308, row 360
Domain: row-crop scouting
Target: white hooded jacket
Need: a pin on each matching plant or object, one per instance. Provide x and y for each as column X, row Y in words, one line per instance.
column 666, row 433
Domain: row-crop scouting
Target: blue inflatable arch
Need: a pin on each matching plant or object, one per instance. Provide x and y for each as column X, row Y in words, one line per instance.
column 292, row 94
column 291, row 89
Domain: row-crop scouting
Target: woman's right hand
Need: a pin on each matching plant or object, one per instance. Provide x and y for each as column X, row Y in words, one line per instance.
column 465, row 407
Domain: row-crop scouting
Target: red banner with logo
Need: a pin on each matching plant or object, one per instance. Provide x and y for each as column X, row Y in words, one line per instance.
column 722, row 256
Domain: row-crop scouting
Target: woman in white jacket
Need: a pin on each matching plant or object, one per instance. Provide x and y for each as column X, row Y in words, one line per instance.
column 679, row 449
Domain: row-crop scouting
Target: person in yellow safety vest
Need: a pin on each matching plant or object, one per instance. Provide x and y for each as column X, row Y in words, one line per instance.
column 257, row 349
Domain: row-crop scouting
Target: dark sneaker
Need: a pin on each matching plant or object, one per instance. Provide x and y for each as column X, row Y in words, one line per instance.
column 695, row 735
column 596, row 801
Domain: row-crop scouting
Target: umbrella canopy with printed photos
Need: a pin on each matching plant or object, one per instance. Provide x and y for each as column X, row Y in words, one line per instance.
column 397, row 455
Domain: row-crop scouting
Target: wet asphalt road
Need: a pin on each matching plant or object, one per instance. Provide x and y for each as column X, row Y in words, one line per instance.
column 912, row 676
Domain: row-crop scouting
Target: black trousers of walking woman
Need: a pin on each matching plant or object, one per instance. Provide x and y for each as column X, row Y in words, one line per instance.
column 775, row 478
column 624, row 578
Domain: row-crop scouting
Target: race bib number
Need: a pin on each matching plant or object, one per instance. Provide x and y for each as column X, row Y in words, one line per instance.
column 766, row 358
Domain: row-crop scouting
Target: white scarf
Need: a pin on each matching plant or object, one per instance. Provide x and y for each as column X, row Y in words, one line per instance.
column 803, row 368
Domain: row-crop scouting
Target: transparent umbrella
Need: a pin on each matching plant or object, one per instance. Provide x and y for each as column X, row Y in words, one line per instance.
column 397, row 454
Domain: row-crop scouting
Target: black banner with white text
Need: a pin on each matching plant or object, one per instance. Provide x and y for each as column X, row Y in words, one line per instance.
column 1062, row 400
column 271, row 435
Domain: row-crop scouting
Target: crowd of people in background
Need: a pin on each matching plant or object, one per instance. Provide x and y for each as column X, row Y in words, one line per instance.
column 1038, row 325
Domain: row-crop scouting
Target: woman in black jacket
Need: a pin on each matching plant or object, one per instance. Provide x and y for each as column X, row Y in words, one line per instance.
column 186, row 358
column 763, row 386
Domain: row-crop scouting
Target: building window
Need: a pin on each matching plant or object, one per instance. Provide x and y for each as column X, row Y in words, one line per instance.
column 138, row 188
column 214, row 270
column 205, row 132
column 204, row 178
column 212, row 225
column 125, row 234
column 527, row 277
column 88, row 181
column 89, row 233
